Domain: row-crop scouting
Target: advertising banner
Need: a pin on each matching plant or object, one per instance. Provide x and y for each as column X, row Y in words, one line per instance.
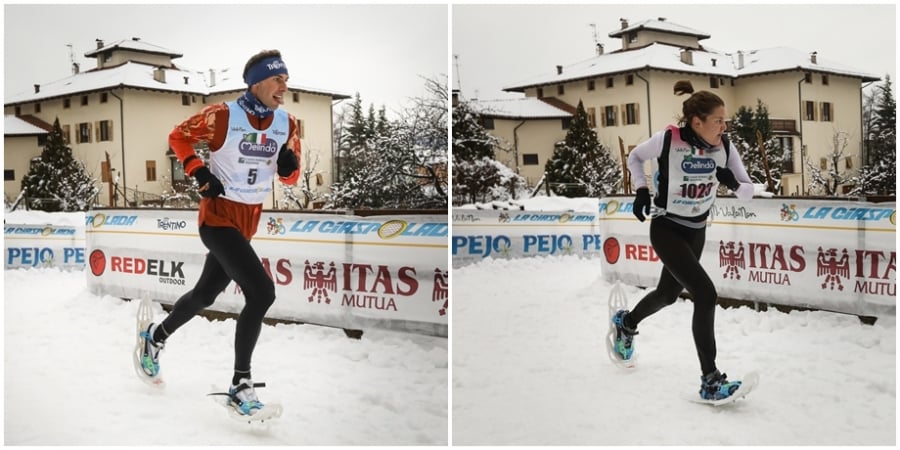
column 344, row 271
column 34, row 245
column 825, row 254
column 480, row 234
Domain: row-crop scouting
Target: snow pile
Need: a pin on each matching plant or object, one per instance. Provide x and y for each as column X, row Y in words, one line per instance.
column 553, row 203
column 530, row 368
column 70, row 219
column 540, row 203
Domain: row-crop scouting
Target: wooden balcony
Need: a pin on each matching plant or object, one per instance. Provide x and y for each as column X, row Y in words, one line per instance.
column 783, row 126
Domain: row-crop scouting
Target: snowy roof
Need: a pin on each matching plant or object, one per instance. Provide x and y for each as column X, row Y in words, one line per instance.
column 140, row 76
column 667, row 57
column 779, row 59
column 660, row 25
column 519, row 108
column 134, row 44
column 15, row 126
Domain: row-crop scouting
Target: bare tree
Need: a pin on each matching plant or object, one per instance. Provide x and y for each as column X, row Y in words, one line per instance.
column 307, row 184
column 828, row 180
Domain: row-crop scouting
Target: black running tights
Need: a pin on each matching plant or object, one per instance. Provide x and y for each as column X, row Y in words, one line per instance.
column 679, row 248
column 230, row 257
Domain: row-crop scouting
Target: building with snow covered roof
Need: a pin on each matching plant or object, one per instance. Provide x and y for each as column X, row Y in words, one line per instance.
column 117, row 118
column 23, row 139
column 628, row 94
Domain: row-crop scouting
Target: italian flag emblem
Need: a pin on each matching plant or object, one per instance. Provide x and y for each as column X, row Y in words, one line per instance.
column 256, row 138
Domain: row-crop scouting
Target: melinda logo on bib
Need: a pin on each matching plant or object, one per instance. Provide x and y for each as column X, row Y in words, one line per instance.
column 258, row 145
column 698, row 165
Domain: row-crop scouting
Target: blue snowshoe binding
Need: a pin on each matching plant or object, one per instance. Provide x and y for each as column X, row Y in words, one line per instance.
column 715, row 386
column 624, row 341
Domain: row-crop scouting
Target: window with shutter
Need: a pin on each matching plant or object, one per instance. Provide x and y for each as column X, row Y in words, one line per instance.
column 151, row 170
column 630, row 114
column 810, row 111
column 104, row 131
column 826, row 112
column 84, row 133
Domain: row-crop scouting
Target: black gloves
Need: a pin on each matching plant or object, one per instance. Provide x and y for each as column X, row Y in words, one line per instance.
column 642, row 203
column 210, row 186
column 287, row 161
column 726, row 177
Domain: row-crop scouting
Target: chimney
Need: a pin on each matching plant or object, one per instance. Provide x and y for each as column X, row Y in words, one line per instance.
column 37, row 88
column 812, row 57
column 75, row 68
column 159, row 74
column 135, row 39
column 661, row 19
column 599, row 49
column 212, row 78
column 624, row 23
column 740, row 64
column 713, row 61
column 559, row 70
column 185, row 80
column 99, row 43
column 687, row 56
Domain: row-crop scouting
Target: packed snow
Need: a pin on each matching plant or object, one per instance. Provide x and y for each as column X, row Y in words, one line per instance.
column 530, row 368
column 69, row 378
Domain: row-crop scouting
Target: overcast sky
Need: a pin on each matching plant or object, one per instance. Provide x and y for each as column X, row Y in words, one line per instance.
column 499, row 45
column 380, row 51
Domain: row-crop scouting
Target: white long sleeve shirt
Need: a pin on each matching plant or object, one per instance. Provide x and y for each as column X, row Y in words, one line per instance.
column 652, row 149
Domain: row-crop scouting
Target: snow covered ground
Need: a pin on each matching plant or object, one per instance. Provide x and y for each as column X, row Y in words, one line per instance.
column 69, row 379
column 530, row 368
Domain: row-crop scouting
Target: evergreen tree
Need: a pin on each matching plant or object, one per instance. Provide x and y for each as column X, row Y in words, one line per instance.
column 878, row 175
column 884, row 159
column 471, row 141
column 580, row 165
column 745, row 124
column 57, row 181
column 357, row 130
column 477, row 176
column 397, row 164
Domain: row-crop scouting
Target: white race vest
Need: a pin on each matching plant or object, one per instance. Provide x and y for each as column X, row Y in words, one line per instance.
column 246, row 163
column 692, row 180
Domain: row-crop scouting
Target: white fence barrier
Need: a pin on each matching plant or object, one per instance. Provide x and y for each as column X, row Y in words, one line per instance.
column 28, row 245
column 825, row 254
column 480, row 234
column 350, row 272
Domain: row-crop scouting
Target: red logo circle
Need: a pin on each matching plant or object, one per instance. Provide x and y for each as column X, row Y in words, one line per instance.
column 98, row 262
column 611, row 250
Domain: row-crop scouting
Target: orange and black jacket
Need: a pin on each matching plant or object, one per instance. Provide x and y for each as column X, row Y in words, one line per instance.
column 211, row 126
